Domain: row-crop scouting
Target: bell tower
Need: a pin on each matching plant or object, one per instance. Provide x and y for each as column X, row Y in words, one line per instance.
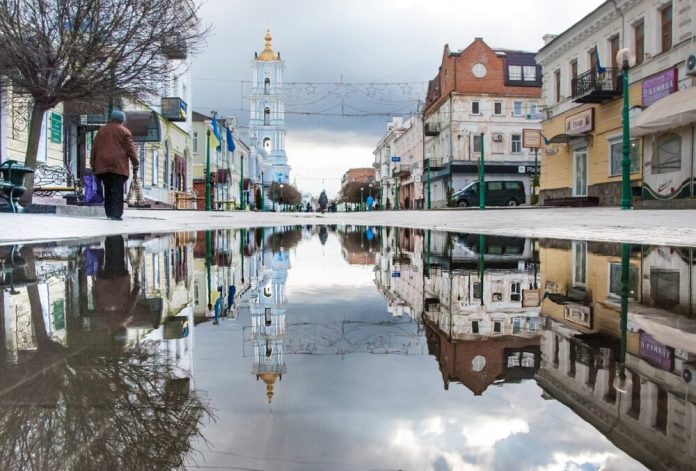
column 267, row 118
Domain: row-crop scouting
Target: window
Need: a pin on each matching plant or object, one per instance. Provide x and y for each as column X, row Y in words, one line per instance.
column 516, row 143
column 533, row 109
column 195, row 143
column 515, row 72
column 615, row 280
column 266, row 86
column 267, row 144
column 557, row 84
column 494, row 186
column 634, row 410
column 475, row 107
column 579, row 263
column 662, row 410
column 573, row 76
column 477, row 143
column 155, row 167
column 513, row 186
column 593, row 58
column 529, row 73
column 478, row 363
column 515, row 291
column 528, row 360
column 517, row 108
column 639, row 41
column 667, row 154
column 497, row 327
column 475, row 327
column 267, row 316
column 498, row 108
column 267, row 116
column 666, row 27
column 616, row 151
column 664, row 287
column 614, row 48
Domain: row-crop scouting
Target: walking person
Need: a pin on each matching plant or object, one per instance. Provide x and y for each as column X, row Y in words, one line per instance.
column 112, row 149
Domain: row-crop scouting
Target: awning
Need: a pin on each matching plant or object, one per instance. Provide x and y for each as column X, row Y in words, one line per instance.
column 673, row 111
column 560, row 139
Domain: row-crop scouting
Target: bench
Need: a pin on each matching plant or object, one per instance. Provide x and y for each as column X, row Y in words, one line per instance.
column 51, row 179
column 12, row 185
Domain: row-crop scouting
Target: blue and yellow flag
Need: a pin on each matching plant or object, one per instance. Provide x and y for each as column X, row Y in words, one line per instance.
column 214, row 135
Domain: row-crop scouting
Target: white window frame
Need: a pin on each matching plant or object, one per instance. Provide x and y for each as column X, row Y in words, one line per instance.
column 476, row 103
column 502, row 108
column 521, row 103
column 532, row 109
column 581, row 245
column 514, row 78
column 618, row 139
column 525, row 69
column 516, row 139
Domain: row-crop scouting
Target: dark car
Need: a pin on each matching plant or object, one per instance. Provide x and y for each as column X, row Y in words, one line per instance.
column 498, row 193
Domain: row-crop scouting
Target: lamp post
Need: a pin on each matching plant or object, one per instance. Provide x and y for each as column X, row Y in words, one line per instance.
column 281, row 196
column 207, row 171
column 362, row 188
column 482, row 173
column 623, row 383
column 242, row 203
column 627, row 59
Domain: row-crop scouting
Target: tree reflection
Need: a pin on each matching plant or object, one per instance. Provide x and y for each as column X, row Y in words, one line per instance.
column 96, row 403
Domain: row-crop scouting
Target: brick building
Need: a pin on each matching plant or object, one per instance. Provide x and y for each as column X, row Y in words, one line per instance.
column 480, row 91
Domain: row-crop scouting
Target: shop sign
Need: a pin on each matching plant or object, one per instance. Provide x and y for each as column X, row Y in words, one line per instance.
column 580, row 123
column 531, row 138
column 578, row 314
column 656, row 353
column 659, row 86
column 56, row 128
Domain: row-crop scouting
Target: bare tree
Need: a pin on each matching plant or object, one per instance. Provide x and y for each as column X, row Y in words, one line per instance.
column 351, row 193
column 56, row 51
column 288, row 194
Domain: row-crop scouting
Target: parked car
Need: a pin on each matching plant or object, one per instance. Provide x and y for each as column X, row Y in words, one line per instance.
column 498, row 193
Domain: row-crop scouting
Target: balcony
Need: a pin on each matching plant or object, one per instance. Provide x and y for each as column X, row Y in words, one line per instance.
column 435, row 164
column 174, row 108
column 402, row 170
column 432, row 129
column 595, row 86
column 175, row 48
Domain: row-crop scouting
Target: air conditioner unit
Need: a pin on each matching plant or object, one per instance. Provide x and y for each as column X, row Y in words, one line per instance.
column 691, row 64
column 498, row 137
column 689, row 373
column 497, row 296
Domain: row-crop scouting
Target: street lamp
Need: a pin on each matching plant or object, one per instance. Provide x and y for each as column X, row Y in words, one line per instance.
column 281, row 195
column 482, row 175
column 361, row 197
column 627, row 59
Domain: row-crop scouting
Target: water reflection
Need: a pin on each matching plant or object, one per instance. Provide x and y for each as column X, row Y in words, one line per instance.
column 99, row 350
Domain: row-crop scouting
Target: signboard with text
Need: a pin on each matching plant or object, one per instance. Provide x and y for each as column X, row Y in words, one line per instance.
column 580, row 123
column 531, row 138
column 396, row 159
column 659, row 86
column 656, row 353
column 56, row 128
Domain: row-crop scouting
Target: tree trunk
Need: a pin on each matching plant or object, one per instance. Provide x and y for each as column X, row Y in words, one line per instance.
column 38, row 111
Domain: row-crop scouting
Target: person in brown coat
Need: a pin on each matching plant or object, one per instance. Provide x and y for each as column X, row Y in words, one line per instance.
column 112, row 149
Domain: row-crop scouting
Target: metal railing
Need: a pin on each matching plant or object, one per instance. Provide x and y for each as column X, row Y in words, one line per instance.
column 604, row 83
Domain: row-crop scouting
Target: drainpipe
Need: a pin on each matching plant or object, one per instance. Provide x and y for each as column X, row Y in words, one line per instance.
column 693, row 157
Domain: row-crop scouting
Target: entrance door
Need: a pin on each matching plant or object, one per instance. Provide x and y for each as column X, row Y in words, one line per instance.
column 580, row 172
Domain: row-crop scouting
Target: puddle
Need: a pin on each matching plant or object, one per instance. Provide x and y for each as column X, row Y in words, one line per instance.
column 344, row 347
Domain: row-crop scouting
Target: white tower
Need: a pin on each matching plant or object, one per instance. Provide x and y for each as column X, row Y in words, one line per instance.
column 267, row 120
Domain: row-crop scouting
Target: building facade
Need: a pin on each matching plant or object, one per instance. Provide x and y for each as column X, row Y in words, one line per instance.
column 582, row 96
column 480, row 93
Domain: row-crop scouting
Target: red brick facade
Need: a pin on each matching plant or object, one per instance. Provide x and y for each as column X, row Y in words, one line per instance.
column 455, row 75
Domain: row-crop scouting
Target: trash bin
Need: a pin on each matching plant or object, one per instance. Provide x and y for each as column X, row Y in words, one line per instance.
column 13, row 175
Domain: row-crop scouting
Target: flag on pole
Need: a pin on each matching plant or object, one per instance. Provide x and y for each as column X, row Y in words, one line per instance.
column 215, row 135
column 600, row 69
column 230, row 141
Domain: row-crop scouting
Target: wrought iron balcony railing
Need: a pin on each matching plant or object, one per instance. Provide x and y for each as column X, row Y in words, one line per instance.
column 597, row 86
column 174, row 108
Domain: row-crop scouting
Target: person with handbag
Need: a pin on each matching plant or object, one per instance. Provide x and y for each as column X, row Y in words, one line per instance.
column 112, row 150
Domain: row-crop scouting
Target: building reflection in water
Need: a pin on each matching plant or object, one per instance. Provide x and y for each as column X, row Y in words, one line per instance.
column 97, row 355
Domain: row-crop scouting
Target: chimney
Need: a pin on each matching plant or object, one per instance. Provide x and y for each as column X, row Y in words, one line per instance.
column 548, row 38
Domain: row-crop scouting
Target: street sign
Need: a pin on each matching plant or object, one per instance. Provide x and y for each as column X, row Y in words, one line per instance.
column 396, row 274
column 56, row 128
column 531, row 138
column 396, row 159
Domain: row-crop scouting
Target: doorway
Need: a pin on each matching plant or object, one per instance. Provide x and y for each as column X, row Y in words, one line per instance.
column 580, row 172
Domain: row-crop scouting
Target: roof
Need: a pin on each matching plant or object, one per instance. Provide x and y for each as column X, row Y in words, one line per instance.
column 575, row 24
column 200, row 117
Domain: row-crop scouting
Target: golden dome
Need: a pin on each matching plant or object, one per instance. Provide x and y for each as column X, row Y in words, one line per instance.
column 269, row 379
column 267, row 54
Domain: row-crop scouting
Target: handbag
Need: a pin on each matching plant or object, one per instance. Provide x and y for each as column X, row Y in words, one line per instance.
column 135, row 192
column 93, row 191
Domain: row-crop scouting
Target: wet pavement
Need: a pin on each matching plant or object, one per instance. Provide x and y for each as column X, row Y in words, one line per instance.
column 346, row 347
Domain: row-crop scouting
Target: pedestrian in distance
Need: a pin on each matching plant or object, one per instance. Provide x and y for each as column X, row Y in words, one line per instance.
column 370, row 202
column 323, row 201
column 112, row 150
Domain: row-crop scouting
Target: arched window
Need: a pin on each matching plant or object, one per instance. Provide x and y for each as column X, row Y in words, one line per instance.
column 267, row 144
column 267, row 116
column 266, row 86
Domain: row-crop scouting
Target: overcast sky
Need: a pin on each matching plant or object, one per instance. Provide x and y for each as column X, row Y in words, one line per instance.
column 365, row 59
